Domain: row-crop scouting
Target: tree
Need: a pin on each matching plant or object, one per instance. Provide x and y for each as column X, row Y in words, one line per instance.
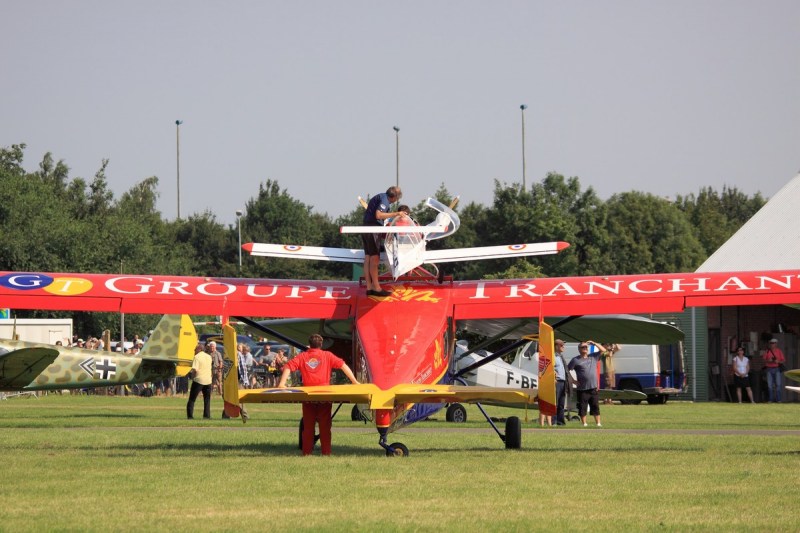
column 649, row 234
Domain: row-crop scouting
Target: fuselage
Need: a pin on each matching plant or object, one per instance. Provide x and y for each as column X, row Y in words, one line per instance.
column 404, row 338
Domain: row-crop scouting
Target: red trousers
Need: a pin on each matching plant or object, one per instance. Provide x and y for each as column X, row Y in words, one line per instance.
column 314, row 413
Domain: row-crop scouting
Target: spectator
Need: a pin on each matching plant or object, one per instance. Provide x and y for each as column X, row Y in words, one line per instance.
column 585, row 366
column 200, row 374
column 609, row 351
column 561, row 382
column 773, row 360
column 216, row 366
column 315, row 366
column 741, row 374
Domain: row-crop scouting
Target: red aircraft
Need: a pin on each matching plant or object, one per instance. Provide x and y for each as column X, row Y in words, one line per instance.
column 400, row 346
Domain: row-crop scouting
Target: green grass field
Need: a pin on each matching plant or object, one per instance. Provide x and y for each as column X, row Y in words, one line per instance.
column 103, row 463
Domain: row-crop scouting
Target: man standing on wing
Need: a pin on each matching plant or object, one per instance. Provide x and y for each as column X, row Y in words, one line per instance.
column 376, row 213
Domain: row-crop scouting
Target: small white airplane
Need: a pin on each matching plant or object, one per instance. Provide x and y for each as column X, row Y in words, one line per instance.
column 405, row 245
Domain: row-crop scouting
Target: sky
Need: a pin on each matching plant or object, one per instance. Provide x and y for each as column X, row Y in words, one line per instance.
column 660, row 97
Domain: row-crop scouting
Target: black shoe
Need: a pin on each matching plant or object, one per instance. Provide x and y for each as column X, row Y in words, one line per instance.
column 381, row 293
column 190, row 417
column 370, row 292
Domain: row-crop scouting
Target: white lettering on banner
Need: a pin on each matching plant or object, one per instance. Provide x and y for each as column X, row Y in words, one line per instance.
column 480, row 289
column 733, row 282
column 111, row 284
column 608, row 288
column 251, row 291
column 515, row 290
column 335, row 293
column 684, row 285
column 204, row 289
column 25, row 280
column 297, row 289
column 179, row 286
column 786, row 284
column 634, row 286
column 562, row 287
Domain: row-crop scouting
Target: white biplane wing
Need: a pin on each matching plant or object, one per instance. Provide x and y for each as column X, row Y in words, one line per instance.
column 493, row 252
column 343, row 255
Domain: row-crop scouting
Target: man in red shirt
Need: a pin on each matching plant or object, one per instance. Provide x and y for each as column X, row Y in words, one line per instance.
column 315, row 366
column 773, row 359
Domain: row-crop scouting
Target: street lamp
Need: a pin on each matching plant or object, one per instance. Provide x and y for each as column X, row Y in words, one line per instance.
column 239, row 224
column 178, row 158
column 522, row 109
column 397, row 153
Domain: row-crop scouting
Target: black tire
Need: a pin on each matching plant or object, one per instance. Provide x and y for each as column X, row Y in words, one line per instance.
column 355, row 415
column 513, row 433
column 657, row 399
column 456, row 413
column 399, row 448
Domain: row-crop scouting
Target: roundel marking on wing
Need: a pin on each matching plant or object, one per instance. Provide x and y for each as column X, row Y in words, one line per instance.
column 516, row 247
column 292, row 248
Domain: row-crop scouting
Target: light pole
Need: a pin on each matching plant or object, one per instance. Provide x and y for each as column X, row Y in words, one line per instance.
column 397, row 153
column 178, row 158
column 522, row 109
column 239, row 224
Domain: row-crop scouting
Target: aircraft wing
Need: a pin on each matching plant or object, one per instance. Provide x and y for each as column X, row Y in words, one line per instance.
column 614, row 394
column 392, row 229
column 343, row 255
column 794, row 375
column 20, row 367
column 370, row 394
column 493, row 252
column 624, row 329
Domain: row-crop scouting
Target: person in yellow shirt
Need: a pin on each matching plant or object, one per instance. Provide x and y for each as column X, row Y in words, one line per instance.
column 200, row 374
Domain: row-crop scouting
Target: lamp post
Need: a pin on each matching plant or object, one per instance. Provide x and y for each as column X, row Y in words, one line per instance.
column 522, row 109
column 178, row 158
column 397, row 153
column 239, row 224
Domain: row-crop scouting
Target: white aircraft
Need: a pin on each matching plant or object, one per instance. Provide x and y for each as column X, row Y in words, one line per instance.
column 405, row 245
column 794, row 375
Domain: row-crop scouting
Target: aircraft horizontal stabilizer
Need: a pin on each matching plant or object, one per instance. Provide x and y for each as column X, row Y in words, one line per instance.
column 493, row 252
column 344, row 255
column 392, row 229
column 19, row 367
column 613, row 394
column 794, row 375
column 368, row 393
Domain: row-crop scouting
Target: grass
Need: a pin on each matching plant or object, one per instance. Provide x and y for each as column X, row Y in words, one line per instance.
column 110, row 464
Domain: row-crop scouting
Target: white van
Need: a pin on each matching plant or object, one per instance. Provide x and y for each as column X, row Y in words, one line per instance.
column 649, row 368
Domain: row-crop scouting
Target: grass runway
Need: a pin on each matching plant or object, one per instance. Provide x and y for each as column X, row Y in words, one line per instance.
column 96, row 463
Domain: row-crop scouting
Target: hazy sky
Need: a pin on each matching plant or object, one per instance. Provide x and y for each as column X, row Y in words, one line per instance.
column 663, row 97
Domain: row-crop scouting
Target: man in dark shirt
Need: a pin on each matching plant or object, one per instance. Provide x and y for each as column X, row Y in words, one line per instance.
column 585, row 367
column 376, row 213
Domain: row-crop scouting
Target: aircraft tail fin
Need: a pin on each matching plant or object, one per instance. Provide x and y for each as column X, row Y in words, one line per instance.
column 547, row 373
column 173, row 339
column 230, row 373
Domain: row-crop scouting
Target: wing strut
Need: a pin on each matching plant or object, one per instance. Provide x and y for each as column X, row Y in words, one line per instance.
column 269, row 331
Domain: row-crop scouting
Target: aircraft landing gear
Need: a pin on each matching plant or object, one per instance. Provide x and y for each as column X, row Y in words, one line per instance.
column 456, row 413
column 300, row 436
column 513, row 436
column 396, row 449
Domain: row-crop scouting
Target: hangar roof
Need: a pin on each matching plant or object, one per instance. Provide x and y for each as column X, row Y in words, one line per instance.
column 770, row 240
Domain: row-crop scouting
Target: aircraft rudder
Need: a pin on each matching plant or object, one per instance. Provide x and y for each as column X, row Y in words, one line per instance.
column 173, row 338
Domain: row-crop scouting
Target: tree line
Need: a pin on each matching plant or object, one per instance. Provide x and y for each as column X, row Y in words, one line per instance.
column 51, row 222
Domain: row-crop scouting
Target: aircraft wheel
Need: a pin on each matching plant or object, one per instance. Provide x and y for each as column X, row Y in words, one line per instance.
column 399, row 448
column 356, row 415
column 456, row 413
column 513, row 433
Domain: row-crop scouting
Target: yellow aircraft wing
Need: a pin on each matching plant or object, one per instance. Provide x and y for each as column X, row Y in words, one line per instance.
column 376, row 398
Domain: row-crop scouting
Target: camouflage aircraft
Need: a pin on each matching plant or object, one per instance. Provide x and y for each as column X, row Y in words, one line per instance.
column 27, row 366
